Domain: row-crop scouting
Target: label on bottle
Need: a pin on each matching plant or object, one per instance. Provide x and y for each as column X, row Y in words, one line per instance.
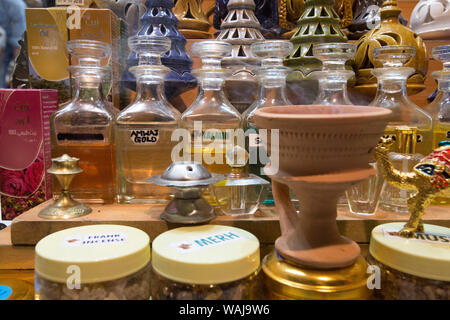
column 95, row 239
column 80, row 137
column 150, row 136
column 207, row 241
column 69, row 2
column 419, row 236
column 5, row 292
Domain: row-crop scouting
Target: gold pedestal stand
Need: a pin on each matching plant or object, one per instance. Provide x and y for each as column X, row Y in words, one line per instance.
column 65, row 168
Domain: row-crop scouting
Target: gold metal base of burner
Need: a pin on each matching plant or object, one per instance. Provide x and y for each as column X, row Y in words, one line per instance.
column 285, row 281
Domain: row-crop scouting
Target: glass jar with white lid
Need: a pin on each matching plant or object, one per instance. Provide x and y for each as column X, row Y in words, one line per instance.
column 416, row 268
column 208, row 262
column 97, row 262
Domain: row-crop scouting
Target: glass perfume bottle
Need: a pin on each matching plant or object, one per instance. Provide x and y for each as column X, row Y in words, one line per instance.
column 240, row 193
column 439, row 109
column 144, row 128
column 272, row 79
column 211, row 119
column 410, row 127
column 333, row 77
column 84, row 127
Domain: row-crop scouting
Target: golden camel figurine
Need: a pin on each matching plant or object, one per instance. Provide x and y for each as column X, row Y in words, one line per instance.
column 430, row 178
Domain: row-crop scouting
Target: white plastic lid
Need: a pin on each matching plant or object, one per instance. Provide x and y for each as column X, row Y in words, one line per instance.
column 209, row 254
column 101, row 252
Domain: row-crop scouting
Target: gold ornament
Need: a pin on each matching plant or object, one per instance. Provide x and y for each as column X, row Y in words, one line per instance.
column 389, row 32
column 65, row 207
column 430, row 178
column 291, row 10
column 193, row 22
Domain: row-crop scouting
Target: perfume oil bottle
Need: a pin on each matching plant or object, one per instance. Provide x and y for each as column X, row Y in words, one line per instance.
column 439, row 109
column 240, row 193
column 144, row 128
column 272, row 79
column 84, row 127
column 333, row 77
column 211, row 119
column 410, row 127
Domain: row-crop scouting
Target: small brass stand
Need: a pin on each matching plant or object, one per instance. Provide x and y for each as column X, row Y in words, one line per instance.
column 65, row 168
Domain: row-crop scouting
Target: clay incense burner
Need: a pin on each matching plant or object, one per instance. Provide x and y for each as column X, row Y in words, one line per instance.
column 323, row 150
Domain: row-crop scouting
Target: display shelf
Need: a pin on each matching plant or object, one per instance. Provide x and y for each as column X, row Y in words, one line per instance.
column 28, row 228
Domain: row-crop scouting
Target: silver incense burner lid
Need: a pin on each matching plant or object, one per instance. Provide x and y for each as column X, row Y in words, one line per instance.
column 185, row 174
column 189, row 180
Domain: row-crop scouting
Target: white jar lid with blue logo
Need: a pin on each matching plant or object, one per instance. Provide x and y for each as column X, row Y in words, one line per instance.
column 426, row 255
column 208, row 254
column 97, row 253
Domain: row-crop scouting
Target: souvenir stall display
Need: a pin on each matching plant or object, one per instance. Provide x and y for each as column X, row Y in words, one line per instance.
column 301, row 169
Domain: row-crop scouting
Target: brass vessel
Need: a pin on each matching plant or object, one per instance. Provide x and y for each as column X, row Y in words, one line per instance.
column 65, row 207
column 285, row 281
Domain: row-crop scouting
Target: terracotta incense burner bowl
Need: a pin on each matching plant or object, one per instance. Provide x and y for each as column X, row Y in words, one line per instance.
column 322, row 151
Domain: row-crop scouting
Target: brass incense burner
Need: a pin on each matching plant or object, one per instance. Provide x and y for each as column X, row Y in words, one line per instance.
column 65, row 207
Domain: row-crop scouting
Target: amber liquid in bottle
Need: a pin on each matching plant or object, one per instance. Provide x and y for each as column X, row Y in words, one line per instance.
column 96, row 182
column 138, row 161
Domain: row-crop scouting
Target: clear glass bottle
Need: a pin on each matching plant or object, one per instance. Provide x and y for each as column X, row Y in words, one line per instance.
column 333, row 77
column 144, row 128
column 410, row 127
column 272, row 78
column 84, row 127
column 439, row 109
column 239, row 193
column 211, row 119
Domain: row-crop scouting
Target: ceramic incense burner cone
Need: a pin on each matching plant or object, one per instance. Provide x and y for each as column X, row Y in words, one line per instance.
column 322, row 151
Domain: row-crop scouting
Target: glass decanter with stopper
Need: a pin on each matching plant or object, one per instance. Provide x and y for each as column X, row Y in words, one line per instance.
column 439, row 109
column 272, row 79
column 211, row 120
column 409, row 127
column 334, row 76
column 144, row 128
column 84, row 127
column 240, row 193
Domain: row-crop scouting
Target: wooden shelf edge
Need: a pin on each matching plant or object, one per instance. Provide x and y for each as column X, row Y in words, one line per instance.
column 28, row 228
